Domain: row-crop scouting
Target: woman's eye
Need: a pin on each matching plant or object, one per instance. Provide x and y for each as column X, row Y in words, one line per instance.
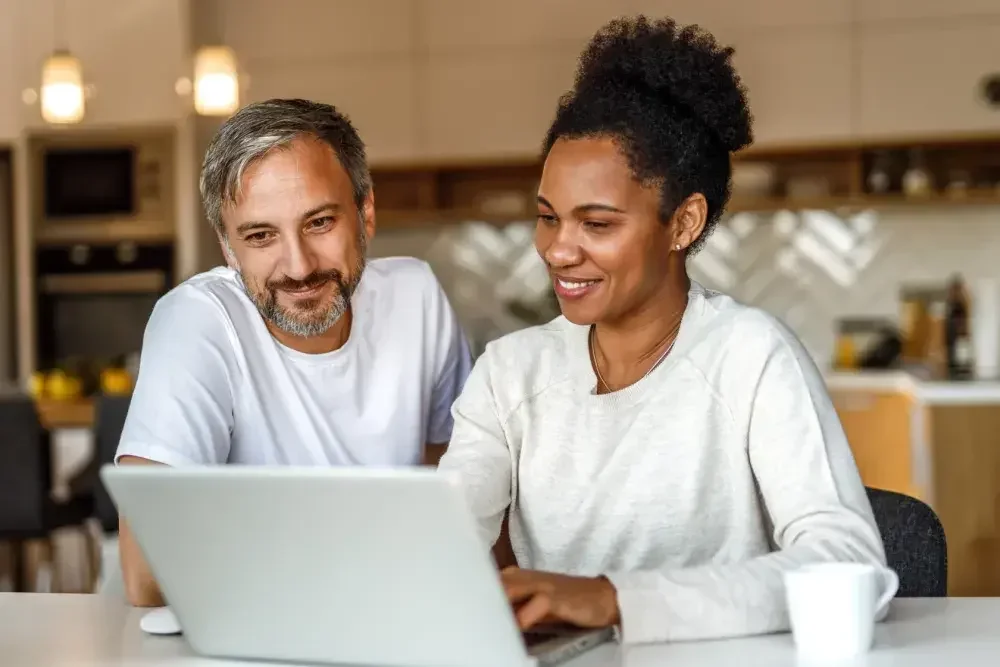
column 597, row 224
column 546, row 219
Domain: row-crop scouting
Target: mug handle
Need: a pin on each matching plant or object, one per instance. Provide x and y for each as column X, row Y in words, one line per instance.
column 890, row 592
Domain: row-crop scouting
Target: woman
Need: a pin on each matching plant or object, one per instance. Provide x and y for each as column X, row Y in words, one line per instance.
column 664, row 452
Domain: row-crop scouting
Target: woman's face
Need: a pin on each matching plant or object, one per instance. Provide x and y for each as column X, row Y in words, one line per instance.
column 600, row 234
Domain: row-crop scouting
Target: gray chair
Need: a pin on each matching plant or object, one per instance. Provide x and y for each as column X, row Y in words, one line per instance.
column 915, row 545
column 27, row 508
column 109, row 420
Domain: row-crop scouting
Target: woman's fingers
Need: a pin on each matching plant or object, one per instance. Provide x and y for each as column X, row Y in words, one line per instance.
column 536, row 610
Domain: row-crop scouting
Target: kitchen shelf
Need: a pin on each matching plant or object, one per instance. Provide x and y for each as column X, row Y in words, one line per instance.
column 421, row 195
column 860, row 202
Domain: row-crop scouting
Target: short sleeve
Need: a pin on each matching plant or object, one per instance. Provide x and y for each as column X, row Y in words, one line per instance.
column 452, row 368
column 181, row 412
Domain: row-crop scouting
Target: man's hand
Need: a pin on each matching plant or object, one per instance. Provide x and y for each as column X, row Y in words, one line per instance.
column 543, row 598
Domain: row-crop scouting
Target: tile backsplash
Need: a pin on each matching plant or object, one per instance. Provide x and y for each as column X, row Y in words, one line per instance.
column 808, row 268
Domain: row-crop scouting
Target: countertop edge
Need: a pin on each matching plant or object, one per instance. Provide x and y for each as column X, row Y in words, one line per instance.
column 938, row 392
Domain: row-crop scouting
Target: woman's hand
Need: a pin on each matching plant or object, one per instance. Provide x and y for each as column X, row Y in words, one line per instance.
column 542, row 598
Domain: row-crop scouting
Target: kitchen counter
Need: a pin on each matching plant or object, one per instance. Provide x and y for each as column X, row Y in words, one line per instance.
column 65, row 414
column 921, row 389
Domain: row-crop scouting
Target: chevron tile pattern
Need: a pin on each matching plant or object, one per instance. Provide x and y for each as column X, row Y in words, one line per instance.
column 809, row 268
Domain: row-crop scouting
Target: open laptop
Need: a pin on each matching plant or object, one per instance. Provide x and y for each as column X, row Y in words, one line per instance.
column 354, row 566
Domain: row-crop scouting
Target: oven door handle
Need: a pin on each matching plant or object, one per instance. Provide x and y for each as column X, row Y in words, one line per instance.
column 120, row 282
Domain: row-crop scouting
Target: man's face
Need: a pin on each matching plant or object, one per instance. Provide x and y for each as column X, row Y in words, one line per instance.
column 297, row 237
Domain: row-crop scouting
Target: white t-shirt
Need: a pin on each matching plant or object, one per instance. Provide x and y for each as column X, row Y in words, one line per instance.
column 214, row 386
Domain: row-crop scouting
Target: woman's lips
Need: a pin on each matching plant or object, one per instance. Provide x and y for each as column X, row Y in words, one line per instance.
column 566, row 288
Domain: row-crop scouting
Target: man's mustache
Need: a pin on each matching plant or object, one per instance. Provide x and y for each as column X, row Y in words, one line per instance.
column 314, row 279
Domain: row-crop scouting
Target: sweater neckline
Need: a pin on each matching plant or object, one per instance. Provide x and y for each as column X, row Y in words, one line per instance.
column 585, row 379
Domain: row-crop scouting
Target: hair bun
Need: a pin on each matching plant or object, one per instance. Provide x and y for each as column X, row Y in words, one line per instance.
column 681, row 66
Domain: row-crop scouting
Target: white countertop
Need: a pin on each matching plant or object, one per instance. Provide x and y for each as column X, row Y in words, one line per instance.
column 955, row 392
column 47, row 630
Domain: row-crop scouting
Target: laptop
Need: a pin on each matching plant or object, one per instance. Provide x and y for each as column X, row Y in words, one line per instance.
column 355, row 566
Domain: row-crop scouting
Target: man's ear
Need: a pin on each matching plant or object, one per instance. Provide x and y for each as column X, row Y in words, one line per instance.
column 368, row 214
column 227, row 251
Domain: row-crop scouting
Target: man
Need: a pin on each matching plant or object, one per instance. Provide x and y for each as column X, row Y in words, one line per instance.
column 297, row 352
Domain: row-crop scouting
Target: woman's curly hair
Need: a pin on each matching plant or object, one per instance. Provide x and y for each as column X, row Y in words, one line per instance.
column 671, row 99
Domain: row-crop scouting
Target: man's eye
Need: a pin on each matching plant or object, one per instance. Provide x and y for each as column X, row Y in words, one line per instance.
column 319, row 223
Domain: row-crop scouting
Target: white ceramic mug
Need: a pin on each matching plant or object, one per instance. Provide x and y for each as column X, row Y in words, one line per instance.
column 833, row 607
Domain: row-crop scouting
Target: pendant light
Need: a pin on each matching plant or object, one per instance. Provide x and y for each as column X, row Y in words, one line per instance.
column 62, row 91
column 216, row 81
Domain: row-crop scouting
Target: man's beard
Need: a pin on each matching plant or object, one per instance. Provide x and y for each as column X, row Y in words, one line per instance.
column 308, row 317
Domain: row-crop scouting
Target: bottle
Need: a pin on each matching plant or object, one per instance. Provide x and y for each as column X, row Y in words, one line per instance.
column 917, row 179
column 957, row 330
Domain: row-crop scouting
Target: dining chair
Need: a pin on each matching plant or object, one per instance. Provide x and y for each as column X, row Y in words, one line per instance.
column 914, row 540
column 28, row 512
column 110, row 412
column 109, row 421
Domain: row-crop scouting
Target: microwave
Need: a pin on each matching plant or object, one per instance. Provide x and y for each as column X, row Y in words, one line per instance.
column 103, row 186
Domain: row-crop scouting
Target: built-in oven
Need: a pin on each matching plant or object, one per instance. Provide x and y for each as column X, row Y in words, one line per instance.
column 94, row 300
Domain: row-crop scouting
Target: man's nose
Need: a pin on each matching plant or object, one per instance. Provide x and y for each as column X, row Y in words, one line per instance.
column 300, row 261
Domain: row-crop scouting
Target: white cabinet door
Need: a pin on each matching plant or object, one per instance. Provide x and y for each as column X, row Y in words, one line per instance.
column 902, row 10
column 492, row 105
column 924, row 78
column 799, row 84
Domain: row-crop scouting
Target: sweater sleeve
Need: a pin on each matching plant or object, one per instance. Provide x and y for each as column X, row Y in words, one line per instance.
column 478, row 453
column 813, row 496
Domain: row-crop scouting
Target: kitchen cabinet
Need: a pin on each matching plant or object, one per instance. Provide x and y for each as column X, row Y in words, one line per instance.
column 924, row 78
column 878, row 428
column 963, row 444
column 799, row 84
column 939, row 442
column 495, row 104
column 904, row 10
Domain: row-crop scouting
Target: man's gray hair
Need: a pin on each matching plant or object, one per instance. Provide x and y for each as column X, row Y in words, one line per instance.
column 257, row 129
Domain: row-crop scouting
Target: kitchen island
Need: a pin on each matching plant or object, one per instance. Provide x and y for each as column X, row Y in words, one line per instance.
column 937, row 440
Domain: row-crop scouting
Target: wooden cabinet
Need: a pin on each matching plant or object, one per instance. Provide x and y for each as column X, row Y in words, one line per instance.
column 964, row 448
column 877, row 424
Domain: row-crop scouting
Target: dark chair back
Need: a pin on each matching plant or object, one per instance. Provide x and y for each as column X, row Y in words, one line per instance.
column 25, row 468
column 914, row 542
column 109, row 420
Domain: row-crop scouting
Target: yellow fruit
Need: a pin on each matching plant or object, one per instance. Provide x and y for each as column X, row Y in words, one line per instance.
column 37, row 385
column 115, row 381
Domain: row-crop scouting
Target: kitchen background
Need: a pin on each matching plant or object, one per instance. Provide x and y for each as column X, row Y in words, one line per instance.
column 451, row 82
column 876, row 170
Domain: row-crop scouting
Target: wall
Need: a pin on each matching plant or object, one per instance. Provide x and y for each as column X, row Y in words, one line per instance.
column 463, row 79
column 808, row 269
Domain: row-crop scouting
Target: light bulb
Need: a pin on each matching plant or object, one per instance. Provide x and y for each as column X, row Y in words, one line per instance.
column 216, row 81
column 62, row 91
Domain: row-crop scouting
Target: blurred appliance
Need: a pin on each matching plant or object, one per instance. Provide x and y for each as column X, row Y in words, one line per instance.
column 100, row 186
column 867, row 343
column 94, row 299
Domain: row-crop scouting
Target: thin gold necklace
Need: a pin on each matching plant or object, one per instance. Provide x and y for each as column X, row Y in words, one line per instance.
column 597, row 366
